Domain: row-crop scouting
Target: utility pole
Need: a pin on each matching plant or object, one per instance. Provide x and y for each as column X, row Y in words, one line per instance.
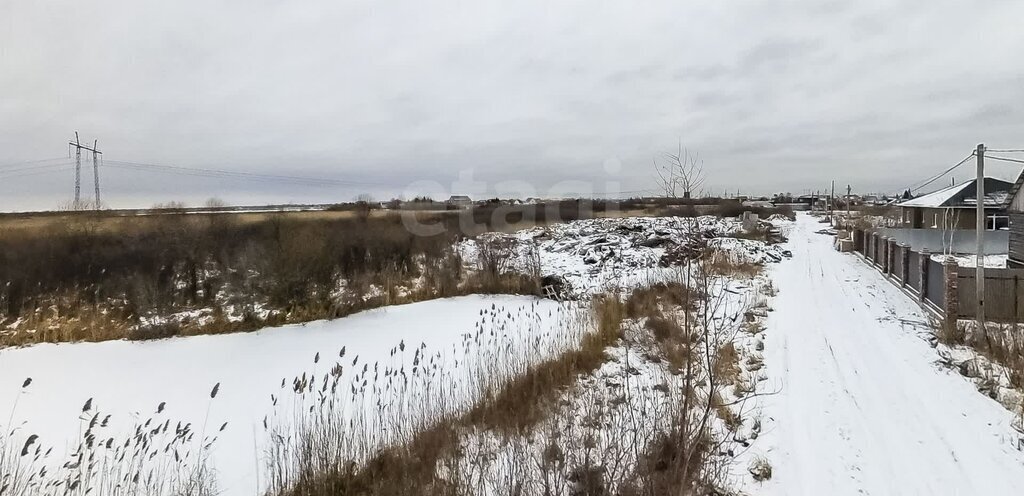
column 78, row 170
column 832, row 204
column 96, row 172
column 979, row 229
column 848, row 205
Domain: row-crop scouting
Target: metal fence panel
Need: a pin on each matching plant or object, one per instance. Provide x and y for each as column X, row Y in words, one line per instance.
column 965, row 288
column 936, row 293
column 896, row 264
column 914, row 271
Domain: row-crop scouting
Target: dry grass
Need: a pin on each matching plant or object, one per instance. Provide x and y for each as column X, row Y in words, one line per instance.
column 663, row 329
column 724, row 264
column 760, row 469
column 652, row 300
column 1004, row 345
column 117, row 223
column 329, row 456
column 525, row 432
column 105, row 274
column 731, row 419
column 438, row 460
column 520, row 404
column 158, row 456
column 77, row 315
column 674, row 464
column 951, row 333
column 404, row 469
column 666, row 312
column 727, row 364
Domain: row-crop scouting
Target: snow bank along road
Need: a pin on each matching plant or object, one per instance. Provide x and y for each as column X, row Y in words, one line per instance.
column 863, row 408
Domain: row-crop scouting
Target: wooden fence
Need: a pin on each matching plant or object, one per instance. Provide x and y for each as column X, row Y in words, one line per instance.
column 1003, row 288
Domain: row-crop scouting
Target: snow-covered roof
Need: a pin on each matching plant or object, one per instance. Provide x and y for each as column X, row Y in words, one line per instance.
column 936, row 198
column 962, row 195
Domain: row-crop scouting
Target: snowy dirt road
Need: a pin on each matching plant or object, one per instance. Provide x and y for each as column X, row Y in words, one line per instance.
column 862, row 407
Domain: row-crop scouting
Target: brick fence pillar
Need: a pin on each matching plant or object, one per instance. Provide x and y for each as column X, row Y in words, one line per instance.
column 858, row 241
column 904, row 263
column 922, row 274
column 951, row 302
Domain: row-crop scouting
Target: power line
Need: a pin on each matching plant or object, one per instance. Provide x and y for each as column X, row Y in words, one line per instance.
column 1006, row 151
column 209, row 174
column 1005, row 159
column 60, row 168
column 196, row 171
column 33, row 168
column 27, row 162
column 216, row 175
column 943, row 173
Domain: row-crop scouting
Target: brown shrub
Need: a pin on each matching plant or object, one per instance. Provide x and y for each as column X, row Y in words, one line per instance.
column 651, row 300
column 673, row 464
column 721, row 264
column 399, row 470
column 662, row 329
column 727, row 364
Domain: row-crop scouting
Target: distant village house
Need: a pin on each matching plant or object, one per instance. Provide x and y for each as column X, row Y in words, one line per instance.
column 459, row 201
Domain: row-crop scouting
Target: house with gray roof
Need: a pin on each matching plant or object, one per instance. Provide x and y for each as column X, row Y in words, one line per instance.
column 954, row 207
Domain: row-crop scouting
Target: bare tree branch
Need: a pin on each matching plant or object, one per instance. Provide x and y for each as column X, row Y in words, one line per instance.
column 682, row 170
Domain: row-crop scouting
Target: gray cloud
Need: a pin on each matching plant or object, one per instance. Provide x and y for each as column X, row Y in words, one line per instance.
column 777, row 96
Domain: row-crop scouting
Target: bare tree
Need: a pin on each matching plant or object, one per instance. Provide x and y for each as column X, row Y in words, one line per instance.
column 214, row 202
column 681, row 171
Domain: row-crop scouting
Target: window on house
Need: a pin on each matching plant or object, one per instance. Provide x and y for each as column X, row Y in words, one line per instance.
column 997, row 223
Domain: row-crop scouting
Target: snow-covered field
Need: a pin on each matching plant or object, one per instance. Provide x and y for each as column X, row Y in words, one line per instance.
column 863, row 408
column 131, row 379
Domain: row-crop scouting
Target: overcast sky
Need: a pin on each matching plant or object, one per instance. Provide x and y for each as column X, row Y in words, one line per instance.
column 542, row 97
